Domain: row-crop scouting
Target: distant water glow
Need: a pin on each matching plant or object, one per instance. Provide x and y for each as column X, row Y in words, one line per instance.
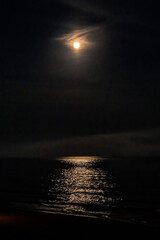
column 81, row 159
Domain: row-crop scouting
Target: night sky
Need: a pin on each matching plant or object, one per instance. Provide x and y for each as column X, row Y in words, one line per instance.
column 101, row 99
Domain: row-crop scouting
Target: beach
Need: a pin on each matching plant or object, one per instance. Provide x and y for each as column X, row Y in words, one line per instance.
column 30, row 225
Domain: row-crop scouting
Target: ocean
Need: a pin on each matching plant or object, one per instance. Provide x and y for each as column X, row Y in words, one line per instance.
column 93, row 186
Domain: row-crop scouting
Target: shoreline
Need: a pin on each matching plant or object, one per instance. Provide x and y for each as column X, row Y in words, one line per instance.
column 27, row 224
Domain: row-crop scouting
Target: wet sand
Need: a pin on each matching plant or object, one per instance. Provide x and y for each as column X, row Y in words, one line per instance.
column 31, row 225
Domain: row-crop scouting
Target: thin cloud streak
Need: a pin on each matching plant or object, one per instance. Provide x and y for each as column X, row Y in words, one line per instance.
column 83, row 35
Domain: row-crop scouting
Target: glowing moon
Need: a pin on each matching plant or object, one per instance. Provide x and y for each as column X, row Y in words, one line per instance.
column 76, row 45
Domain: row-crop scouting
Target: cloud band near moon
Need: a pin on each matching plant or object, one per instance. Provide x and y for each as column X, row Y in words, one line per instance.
column 83, row 35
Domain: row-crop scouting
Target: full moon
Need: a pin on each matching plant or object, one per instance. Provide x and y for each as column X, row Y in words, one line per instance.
column 76, row 45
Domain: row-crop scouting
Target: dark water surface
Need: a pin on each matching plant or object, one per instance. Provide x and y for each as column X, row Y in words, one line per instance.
column 88, row 186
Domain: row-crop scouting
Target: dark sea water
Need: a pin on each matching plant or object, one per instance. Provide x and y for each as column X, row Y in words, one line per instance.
column 88, row 186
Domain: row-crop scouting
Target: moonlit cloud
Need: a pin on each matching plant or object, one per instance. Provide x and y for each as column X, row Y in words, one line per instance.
column 83, row 35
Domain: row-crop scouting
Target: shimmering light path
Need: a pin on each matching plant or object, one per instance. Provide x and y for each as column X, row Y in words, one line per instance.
column 82, row 187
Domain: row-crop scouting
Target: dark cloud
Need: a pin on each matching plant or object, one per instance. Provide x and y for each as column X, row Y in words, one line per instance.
column 118, row 144
column 33, row 111
column 134, row 11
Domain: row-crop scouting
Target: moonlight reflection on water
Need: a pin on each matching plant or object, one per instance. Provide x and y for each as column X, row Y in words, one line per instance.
column 81, row 187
